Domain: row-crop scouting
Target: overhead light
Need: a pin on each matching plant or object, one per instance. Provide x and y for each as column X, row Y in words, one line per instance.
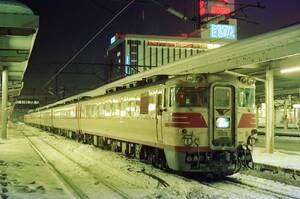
column 296, row 105
column 290, row 70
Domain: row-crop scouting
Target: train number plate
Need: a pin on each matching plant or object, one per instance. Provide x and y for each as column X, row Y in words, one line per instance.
column 222, row 134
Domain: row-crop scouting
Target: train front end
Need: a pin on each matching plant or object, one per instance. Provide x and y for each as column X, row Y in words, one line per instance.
column 211, row 125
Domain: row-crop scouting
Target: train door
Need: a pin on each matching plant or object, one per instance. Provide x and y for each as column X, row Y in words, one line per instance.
column 159, row 129
column 222, row 117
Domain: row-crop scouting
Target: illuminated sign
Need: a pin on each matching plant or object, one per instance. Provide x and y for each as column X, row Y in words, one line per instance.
column 127, row 67
column 220, row 10
column 178, row 44
column 201, row 7
column 113, row 39
column 215, row 7
column 222, row 31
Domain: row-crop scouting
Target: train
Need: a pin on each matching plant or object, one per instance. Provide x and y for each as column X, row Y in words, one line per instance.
column 203, row 123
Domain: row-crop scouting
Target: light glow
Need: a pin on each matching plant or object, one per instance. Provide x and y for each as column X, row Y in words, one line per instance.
column 296, row 106
column 290, row 70
column 220, row 10
column 223, row 122
column 201, row 8
column 213, row 46
column 223, row 31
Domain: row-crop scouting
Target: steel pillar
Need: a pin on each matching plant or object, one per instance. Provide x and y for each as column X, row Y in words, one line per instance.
column 4, row 104
column 269, row 90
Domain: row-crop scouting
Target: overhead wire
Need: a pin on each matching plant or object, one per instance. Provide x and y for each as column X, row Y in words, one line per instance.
column 86, row 44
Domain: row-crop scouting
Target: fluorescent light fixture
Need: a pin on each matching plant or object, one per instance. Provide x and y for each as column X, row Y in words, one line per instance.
column 296, row 106
column 290, row 70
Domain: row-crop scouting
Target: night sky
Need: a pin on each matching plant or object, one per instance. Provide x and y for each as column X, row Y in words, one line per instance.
column 66, row 25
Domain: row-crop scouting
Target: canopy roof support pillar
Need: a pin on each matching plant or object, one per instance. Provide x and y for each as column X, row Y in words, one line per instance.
column 269, row 90
column 4, row 103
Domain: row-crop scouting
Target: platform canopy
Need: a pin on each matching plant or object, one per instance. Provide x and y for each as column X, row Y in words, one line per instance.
column 18, row 29
column 280, row 48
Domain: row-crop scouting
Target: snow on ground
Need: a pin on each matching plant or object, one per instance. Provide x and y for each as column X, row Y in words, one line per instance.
column 22, row 173
column 280, row 158
column 28, row 177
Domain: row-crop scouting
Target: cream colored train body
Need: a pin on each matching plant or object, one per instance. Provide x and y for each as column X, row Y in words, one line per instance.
column 192, row 124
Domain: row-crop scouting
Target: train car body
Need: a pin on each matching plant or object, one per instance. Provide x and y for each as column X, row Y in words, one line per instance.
column 199, row 123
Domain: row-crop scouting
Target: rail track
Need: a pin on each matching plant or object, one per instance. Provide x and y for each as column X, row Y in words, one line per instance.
column 73, row 187
column 236, row 186
column 243, row 186
column 276, row 189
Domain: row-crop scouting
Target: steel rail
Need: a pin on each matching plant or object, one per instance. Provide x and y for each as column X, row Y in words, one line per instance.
column 259, row 187
column 96, row 176
column 72, row 188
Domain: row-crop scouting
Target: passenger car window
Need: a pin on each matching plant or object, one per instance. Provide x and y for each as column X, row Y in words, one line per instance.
column 144, row 103
column 191, row 96
column 246, row 97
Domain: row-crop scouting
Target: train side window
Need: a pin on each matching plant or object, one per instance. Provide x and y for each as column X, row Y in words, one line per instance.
column 159, row 104
column 171, row 96
column 73, row 112
column 144, row 109
column 246, row 97
column 107, row 109
column 83, row 111
column 164, row 98
column 137, row 106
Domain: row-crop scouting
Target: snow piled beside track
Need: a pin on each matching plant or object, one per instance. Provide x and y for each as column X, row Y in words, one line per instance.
column 136, row 179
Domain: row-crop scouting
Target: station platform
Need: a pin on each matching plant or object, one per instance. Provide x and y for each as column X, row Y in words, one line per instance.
column 291, row 132
column 281, row 159
column 23, row 174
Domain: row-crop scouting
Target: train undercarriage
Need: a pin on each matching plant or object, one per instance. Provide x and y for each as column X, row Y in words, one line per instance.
column 215, row 163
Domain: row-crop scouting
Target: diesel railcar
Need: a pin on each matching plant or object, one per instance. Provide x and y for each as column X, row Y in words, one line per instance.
column 200, row 123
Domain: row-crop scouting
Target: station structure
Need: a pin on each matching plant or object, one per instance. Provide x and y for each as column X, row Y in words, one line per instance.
column 147, row 56
column 18, row 29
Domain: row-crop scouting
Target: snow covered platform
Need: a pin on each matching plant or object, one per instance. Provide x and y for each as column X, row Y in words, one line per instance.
column 291, row 132
column 23, row 174
column 281, row 159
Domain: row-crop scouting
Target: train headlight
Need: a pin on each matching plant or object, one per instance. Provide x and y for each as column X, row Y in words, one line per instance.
column 223, row 122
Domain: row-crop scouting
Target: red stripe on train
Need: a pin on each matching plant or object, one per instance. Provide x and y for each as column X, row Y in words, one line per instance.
column 187, row 120
column 248, row 120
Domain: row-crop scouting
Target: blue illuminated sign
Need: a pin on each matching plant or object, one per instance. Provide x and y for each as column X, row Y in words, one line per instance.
column 223, row 31
column 113, row 39
column 127, row 67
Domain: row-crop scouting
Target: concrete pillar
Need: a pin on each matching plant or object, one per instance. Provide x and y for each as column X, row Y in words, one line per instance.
column 269, row 90
column 4, row 104
column 285, row 113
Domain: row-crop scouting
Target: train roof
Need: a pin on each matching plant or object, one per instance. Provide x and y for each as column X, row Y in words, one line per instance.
column 162, row 79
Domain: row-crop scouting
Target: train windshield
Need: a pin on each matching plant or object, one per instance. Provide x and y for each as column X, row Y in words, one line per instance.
column 191, row 96
column 246, row 97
